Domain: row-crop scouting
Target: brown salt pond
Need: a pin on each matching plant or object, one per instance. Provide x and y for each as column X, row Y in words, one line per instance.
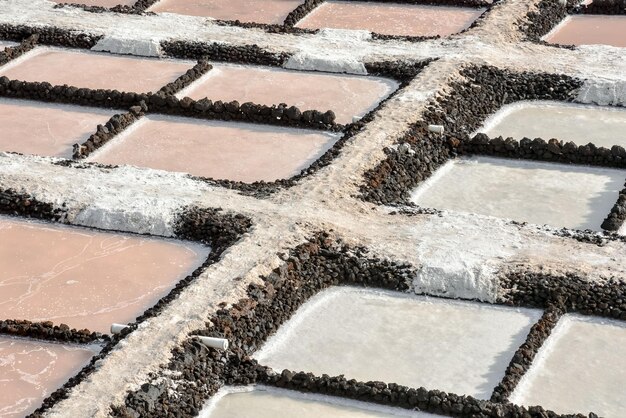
column 220, row 150
column 347, row 96
column 86, row 278
column 391, row 18
column 46, row 129
column 260, row 11
column 31, row 370
column 101, row 3
column 590, row 30
column 94, row 70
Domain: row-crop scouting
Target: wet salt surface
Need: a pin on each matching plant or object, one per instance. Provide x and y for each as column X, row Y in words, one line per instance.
column 559, row 195
column 31, row 370
column 85, row 278
column 94, row 70
column 346, row 95
column 590, row 30
column 6, row 44
column 265, row 402
column 101, row 3
column 391, row 18
column 414, row 341
column 260, row 11
column 47, row 129
column 602, row 125
column 220, row 150
column 579, row 369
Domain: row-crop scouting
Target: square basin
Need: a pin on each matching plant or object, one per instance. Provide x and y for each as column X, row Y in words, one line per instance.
column 259, row 11
column 94, row 70
column 559, row 195
column 47, row 129
column 346, row 95
column 220, row 150
column 100, row 3
column 268, row 402
column 391, row 18
column 414, row 341
column 590, row 30
column 6, row 44
column 580, row 369
column 603, row 126
column 86, row 278
column 31, row 370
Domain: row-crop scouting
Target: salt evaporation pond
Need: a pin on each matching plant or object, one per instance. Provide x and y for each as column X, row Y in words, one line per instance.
column 346, row 95
column 40, row 128
column 579, row 369
column 93, row 70
column 31, row 370
column 590, row 30
column 391, row 18
column 100, row 3
column 220, row 150
column 601, row 125
column 262, row 402
column 559, row 195
column 414, row 341
column 260, row 11
column 86, row 278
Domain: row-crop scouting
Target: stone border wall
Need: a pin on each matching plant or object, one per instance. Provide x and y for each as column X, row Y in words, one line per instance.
column 617, row 216
column 538, row 24
column 49, row 35
column 600, row 7
column 12, row 52
column 46, row 330
column 248, row 54
column 309, row 268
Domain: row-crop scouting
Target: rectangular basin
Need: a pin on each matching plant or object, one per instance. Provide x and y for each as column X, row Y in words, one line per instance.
column 414, row 341
column 86, row 278
column 259, row 11
column 347, row 95
column 559, row 195
column 94, row 70
column 266, row 402
column 590, row 30
column 580, row 369
column 220, row 150
column 601, row 125
column 31, row 370
column 391, row 18
column 47, row 129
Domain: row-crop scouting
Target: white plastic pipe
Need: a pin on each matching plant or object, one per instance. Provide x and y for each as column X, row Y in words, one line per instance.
column 221, row 343
column 438, row 129
column 117, row 328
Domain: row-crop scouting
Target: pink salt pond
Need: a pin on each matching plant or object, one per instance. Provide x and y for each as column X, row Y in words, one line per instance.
column 84, row 278
column 94, row 70
column 260, row 11
column 31, row 370
column 46, row 129
column 348, row 96
column 391, row 18
column 590, row 30
column 220, row 150
column 101, row 3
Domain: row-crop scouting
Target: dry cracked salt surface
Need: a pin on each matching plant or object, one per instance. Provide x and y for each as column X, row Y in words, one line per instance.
column 457, row 255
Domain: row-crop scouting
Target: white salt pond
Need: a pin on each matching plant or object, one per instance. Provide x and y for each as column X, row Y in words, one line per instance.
column 590, row 30
column 366, row 334
column 86, row 278
column 47, row 129
column 93, row 70
column 601, row 125
column 220, row 150
column 348, row 96
column 579, row 369
column 260, row 11
column 391, row 18
column 559, row 195
column 31, row 370
column 266, row 402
